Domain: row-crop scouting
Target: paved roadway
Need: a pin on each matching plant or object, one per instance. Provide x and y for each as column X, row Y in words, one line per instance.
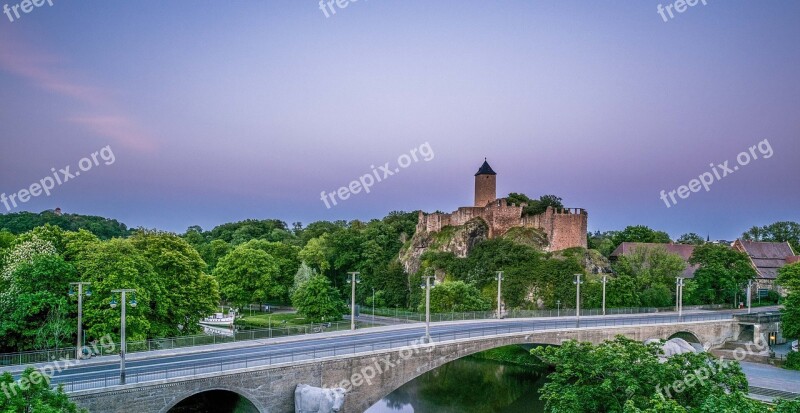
column 149, row 366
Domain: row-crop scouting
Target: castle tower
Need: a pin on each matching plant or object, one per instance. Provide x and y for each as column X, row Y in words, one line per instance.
column 485, row 185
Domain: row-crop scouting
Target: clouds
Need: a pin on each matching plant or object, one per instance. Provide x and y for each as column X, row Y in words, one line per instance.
column 96, row 110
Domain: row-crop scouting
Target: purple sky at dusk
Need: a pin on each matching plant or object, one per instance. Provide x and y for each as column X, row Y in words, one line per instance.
column 223, row 111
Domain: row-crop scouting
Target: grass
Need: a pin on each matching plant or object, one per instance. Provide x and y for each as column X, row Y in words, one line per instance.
column 262, row 320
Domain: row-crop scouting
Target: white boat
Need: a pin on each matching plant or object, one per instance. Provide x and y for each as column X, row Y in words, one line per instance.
column 219, row 319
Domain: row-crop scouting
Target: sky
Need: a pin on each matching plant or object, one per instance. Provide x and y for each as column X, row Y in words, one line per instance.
column 206, row 112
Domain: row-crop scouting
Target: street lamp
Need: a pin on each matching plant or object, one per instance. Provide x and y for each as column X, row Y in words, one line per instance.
column 679, row 296
column 578, row 283
column 353, row 281
column 558, row 308
column 427, row 286
column 122, row 348
column 749, row 295
column 605, row 280
column 373, row 306
column 79, row 346
column 499, row 291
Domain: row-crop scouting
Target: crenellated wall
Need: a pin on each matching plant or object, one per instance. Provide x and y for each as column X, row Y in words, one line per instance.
column 565, row 228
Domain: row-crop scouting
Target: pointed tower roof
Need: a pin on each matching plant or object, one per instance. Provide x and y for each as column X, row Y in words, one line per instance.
column 485, row 169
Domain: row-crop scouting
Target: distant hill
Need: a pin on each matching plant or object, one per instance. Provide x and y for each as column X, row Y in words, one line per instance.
column 104, row 228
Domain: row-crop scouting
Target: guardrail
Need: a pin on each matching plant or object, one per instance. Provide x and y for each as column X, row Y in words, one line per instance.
column 44, row 356
column 196, row 368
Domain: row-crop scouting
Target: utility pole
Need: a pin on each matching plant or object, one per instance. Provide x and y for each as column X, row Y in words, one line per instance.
column 499, row 296
column 353, row 281
column 749, row 295
column 427, row 288
column 79, row 345
column 578, row 283
column 679, row 296
column 605, row 279
column 122, row 348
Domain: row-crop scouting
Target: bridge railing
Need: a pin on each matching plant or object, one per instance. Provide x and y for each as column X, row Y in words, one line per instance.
column 191, row 369
column 415, row 317
column 44, row 356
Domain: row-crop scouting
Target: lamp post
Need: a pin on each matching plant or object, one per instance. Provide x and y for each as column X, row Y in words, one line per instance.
column 499, row 292
column 578, row 283
column 749, row 295
column 605, row 280
column 88, row 293
column 353, row 281
column 123, row 348
column 427, row 288
column 679, row 296
column 373, row 306
column 558, row 308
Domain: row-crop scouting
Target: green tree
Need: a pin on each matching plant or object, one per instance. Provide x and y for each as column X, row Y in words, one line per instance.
column 249, row 275
column 789, row 278
column 318, row 301
column 640, row 233
column 456, row 296
column 722, row 274
column 32, row 393
column 33, row 307
column 118, row 264
column 185, row 293
column 535, row 206
column 691, row 239
column 782, row 231
column 623, row 375
column 652, row 271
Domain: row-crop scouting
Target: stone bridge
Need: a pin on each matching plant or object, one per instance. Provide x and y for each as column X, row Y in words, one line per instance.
column 371, row 375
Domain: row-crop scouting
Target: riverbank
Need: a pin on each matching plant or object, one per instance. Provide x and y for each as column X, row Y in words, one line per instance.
column 515, row 355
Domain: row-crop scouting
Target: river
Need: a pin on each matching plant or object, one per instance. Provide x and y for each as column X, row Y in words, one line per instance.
column 468, row 385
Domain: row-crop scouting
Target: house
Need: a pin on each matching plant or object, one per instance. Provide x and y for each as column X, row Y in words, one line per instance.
column 767, row 258
column 682, row 250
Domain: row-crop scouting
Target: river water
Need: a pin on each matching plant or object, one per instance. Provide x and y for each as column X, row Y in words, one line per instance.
column 468, row 385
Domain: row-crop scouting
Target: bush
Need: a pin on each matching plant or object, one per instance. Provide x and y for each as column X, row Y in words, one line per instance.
column 793, row 361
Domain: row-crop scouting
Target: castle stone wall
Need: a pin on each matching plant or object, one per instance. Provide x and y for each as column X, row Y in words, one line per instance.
column 565, row 228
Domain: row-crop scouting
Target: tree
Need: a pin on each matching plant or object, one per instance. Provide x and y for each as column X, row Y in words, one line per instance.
column 722, row 274
column 117, row 264
column 640, row 233
column 185, row 293
column 691, row 239
column 789, row 278
column 782, row 231
column 32, row 393
column 318, row 301
column 456, row 296
column 249, row 275
column 652, row 271
column 625, row 375
column 33, row 307
column 535, row 206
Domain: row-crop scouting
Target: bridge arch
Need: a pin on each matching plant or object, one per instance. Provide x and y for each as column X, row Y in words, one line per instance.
column 252, row 400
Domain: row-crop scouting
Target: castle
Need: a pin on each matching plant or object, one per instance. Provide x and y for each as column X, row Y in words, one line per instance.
column 565, row 228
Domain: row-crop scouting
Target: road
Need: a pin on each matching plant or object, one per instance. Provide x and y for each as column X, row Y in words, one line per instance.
column 196, row 360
